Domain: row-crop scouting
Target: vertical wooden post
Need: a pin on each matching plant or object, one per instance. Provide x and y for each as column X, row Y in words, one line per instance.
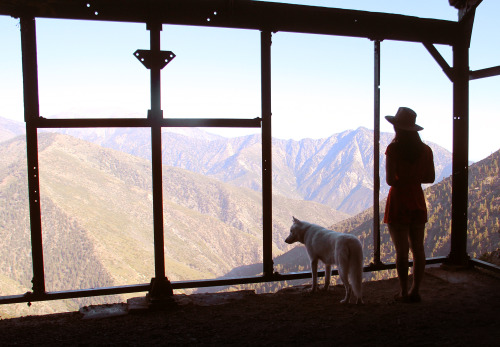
column 460, row 166
column 160, row 285
column 31, row 114
column 376, row 155
column 266, row 152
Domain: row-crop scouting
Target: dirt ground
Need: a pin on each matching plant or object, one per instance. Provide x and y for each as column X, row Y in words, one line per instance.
column 458, row 308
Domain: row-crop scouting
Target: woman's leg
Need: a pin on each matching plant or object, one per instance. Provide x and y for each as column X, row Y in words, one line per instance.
column 399, row 235
column 416, row 239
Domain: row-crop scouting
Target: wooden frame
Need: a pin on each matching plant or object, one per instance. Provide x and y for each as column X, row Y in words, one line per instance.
column 244, row 14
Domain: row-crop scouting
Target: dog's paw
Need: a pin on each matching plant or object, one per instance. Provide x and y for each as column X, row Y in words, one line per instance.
column 359, row 301
column 314, row 289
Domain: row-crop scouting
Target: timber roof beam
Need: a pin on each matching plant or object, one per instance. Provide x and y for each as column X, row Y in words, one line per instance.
column 244, row 14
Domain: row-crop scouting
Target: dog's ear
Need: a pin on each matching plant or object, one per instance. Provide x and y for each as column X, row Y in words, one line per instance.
column 295, row 220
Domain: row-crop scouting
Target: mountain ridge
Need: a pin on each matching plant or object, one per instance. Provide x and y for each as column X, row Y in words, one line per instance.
column 321, row 170
column 336, row 171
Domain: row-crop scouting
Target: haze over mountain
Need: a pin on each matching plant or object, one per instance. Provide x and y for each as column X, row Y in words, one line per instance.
column 10, row 129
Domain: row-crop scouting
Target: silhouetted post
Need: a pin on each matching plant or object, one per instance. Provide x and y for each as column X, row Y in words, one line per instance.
column 460, row 166
column 376, row 156
column 267, row 196
column 155, row 60
column 31, row 114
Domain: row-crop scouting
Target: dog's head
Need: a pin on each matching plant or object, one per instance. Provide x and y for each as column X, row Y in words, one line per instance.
column 295, row 232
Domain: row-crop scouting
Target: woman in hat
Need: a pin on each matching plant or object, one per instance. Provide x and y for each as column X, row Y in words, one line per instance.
column 409, row 163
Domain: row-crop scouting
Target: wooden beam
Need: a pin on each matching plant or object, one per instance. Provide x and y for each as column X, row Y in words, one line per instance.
column 460, row 154
column 488, row 72
column 31, row 113
column 146, row 122
column 376, row 155
column 440, row 60
column 267, row 184
column 176, row 285
column 245, row 14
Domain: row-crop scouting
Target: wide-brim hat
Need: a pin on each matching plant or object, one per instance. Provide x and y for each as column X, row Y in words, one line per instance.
column 404, row 119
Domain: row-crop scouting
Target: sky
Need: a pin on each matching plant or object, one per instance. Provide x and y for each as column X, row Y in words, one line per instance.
column 321, row 85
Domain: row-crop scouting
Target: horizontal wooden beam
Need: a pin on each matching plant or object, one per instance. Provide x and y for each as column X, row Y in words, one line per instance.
column 244, row 14
column 211, row 122
column 485, row 265
column 488, row 72
column 71, row 294
column 136, row 288
column 146, row 122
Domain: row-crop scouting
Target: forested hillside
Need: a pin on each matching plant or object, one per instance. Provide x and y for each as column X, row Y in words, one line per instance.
column 483, row 227
column 483, row 214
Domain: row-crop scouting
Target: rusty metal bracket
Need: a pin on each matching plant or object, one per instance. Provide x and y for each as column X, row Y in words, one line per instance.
column 151, row 60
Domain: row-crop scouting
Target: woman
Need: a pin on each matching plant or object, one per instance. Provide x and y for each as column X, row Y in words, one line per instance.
column 409, row 163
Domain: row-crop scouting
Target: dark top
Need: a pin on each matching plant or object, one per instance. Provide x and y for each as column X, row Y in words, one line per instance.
column 406, row 202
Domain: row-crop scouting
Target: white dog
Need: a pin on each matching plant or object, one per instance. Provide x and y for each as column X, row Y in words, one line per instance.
column 332, row 248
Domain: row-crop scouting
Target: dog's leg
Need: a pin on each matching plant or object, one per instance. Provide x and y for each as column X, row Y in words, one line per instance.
column 349, row 294
column 314, row 269
column 328, row 275
column 345, row 280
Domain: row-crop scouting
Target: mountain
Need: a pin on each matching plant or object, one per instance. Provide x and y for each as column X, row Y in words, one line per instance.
column 97, row 219
column 483, row 225
column 336, row 171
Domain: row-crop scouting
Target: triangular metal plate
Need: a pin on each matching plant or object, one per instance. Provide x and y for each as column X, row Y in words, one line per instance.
column 146, row 58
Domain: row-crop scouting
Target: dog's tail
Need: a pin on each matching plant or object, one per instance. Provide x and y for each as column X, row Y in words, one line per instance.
column 356, row 271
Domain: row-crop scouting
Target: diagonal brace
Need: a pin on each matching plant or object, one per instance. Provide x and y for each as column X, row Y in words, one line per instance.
column 440, row 60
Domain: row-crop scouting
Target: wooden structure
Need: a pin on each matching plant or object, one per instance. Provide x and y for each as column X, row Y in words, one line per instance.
column 268, row 18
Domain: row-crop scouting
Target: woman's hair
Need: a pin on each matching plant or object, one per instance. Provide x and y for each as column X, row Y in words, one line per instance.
column 408, row 145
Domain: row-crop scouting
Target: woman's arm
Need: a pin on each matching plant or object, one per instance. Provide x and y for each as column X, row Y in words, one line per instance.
column 429, row 171
column 390, row 170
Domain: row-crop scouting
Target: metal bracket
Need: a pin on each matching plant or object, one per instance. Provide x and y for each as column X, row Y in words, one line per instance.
column 147, row 58
column 161, row 293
